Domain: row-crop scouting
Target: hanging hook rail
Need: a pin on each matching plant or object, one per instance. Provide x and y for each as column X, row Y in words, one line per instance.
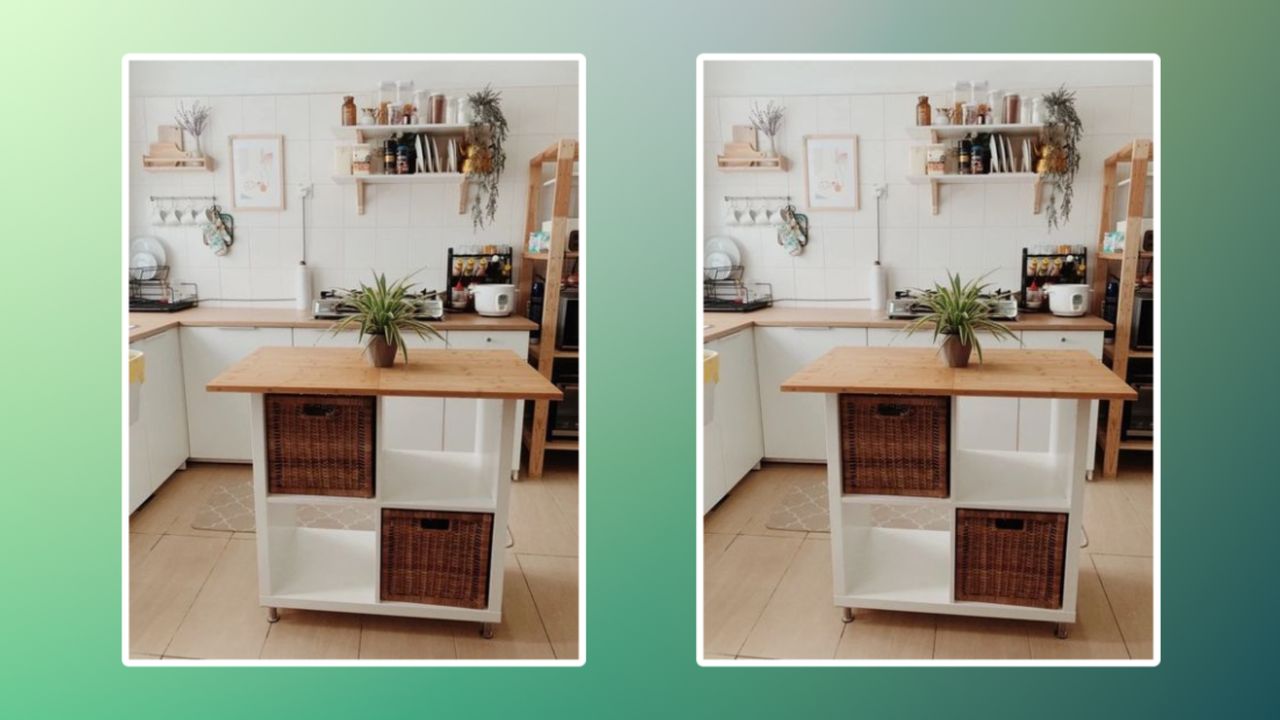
column 731, row 198
column 183, row 197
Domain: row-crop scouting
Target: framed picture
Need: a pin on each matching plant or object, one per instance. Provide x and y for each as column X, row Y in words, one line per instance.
column 257, row 172
column 831, row 172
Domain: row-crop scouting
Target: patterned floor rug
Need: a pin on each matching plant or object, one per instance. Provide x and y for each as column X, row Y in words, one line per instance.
column 229, row 507
column 802, row 507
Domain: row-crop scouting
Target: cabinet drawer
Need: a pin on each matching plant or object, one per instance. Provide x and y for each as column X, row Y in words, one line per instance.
column 1088, row 341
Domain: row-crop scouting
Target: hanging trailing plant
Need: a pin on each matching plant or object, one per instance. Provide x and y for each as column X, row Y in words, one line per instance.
column 1060, row 153
column 486, row 157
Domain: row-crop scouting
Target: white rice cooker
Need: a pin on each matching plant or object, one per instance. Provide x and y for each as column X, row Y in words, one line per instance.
column 495, row 300
column 1068, row 300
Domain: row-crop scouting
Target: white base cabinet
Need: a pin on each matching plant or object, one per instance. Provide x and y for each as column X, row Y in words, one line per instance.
column 158, row 440
column 1033, row 414
column 460, row 413
column 734, row 441
column 218, row 423
column 793, row 422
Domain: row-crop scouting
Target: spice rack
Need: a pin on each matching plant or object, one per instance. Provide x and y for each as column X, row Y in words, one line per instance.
column 1124, row 265
column 361, row 134
column 543, row 352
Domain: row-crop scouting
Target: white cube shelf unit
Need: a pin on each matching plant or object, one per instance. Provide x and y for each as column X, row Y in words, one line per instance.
column 913, row 568
column 337, row 569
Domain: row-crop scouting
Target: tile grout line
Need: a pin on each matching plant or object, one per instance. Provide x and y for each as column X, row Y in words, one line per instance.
column 1110, row 607
column 186, row 613
column 541, row 620
column 772, row 591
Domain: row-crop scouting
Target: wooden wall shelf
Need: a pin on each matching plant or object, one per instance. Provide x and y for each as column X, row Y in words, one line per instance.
column 551, row 265
column 1124, row 265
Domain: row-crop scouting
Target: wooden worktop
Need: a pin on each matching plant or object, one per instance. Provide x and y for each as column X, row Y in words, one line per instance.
column 149, row 324
column 725, row 324
column 921, row 371
column 488, row 374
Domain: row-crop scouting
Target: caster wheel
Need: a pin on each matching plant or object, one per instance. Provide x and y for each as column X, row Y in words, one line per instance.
column 1088, row 476
column 1061, row 630
column 273, row 615
column 846, row 615
column 486, row 631
column 515, row 476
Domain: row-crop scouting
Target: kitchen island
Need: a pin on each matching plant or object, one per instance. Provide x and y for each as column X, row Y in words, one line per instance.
column 986, row 533
column 433, row 544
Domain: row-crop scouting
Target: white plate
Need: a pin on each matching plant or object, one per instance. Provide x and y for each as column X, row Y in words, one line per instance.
column 143, row 266
column 150, row 245
column 721, row 244
column 717, row 266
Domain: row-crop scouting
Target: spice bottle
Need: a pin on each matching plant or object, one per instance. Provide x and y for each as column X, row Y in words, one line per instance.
column 923, row 112
column 403, row 166
column 348, row 110
column 978, row 157
column 964, row 156
column 389, row 156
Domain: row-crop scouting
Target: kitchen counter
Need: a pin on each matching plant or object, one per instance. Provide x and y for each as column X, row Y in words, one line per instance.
column 149, row 324
column 725, row 324
column 485, row 374
column 1071, row 374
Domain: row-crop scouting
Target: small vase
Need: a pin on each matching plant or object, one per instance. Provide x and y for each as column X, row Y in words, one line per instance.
column 772, row 152
column 381, row 353
column 956, row 352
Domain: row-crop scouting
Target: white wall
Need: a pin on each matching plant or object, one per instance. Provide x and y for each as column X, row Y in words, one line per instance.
column 405, row 227
column 979, row 228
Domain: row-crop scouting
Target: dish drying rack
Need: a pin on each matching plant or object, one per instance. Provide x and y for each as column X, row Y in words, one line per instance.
column 150, row 289
column 723, row 290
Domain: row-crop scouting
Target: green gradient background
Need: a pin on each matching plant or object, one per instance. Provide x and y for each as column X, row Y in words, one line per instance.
column 61, row 431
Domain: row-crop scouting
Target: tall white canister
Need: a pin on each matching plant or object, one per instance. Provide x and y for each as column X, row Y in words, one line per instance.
column 878, row 286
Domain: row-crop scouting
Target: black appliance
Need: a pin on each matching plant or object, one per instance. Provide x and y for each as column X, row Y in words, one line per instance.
column 567, row 320
column 1142, row 332
column 562, row 415
column 1140, row 415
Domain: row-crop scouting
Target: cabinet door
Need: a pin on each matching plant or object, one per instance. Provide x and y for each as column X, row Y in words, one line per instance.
column 218, row 423
column 795, row 423
column 140, row 478
column 714, row 482
column 460, row 414
column 738, row 405
column 982, row 423
column 407, row 423
column 1033, row 414
column 166, row 407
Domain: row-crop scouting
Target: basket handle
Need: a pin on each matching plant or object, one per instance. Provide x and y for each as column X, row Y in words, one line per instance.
column 892, row 410
column 1009, row 523
column 318, row 410
column 434, row 523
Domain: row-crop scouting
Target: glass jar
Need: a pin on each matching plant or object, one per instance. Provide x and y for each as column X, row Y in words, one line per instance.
column 924, row 112
column 348, row 110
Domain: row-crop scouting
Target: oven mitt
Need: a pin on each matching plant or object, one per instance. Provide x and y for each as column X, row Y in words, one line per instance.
column 793, row 233
column 219, row 231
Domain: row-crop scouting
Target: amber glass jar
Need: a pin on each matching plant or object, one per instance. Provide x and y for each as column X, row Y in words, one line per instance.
column 348, row 110
column 924, row 113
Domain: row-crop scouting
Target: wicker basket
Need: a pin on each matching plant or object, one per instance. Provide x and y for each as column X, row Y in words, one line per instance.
column 895, row 445
column 1011, row 558
column 320, row 445
column 437, row 558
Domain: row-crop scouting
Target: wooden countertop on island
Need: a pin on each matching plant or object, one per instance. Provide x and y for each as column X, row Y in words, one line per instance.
column 718, row 325
column 481, row 374
column 921, row 371
column 149, row 324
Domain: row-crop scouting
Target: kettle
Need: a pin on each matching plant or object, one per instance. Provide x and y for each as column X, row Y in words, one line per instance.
column 496, row 300
column 1070, row 300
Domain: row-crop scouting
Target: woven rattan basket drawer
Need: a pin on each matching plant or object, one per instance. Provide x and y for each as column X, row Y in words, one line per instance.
column 1011, row 558
column 437, row 558
column 895, row 445
column 320, row 445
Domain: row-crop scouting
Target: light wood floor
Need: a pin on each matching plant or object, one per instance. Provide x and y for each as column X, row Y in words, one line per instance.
column 768, row 592
column 194, row 593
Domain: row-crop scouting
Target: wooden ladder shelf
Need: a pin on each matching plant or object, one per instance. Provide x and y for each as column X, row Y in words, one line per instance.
column 1138, row 156
column 543, row 352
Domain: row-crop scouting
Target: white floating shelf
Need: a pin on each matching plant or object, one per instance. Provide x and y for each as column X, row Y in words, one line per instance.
column 399, row 179
column 926, row 132
column 348, row 132
column 952, row 179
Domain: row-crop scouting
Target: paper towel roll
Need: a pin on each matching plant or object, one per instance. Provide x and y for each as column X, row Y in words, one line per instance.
column 302, row 287
column 878, row 286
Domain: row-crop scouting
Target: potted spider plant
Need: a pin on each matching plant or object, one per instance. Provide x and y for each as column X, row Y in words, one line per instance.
column 958, row 311
column 384, row 312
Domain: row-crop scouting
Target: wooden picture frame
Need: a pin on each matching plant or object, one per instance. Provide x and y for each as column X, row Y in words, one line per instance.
column 257, row 172
column 831, row 177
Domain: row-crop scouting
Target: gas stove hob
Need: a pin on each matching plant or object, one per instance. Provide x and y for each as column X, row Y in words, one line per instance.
column 335, row 305
column 909, row 305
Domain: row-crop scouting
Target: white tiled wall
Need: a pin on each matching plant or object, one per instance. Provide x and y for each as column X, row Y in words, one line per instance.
column 405, row 227
column 979, row 228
